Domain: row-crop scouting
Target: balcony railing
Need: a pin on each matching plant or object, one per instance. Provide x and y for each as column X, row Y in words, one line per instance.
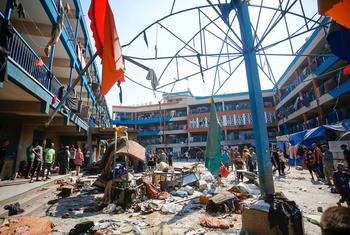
column 66, row 25
column 317, row 61
column 26, row 57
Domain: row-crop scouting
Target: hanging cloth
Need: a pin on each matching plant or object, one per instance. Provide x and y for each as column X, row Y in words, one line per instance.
column 145, row 38
column 213, row 146
column 120, row 92
column 200, row 66
column 151, row 76
column 39, row 62
column 56, row 34
column 6, row 33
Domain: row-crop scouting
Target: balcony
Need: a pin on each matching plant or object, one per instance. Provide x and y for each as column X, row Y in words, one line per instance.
column 319, row 65
column 25, row 57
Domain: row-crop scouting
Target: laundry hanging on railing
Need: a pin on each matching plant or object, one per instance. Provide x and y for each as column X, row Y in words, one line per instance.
column 56, row 34
column 80, row 53
column 39, row 62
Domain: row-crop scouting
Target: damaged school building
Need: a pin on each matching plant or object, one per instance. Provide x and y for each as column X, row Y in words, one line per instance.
column 48, row 46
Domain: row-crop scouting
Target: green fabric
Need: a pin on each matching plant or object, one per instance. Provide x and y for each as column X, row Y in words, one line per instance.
column 213, row 147
column 49, row 155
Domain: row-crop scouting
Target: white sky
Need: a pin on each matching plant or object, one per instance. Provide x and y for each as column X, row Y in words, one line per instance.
column 133, row 16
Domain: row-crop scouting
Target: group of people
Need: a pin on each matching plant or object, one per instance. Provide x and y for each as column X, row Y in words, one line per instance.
column 40, row 160
column 231, row 157
column 155, row 158
column 320, row 163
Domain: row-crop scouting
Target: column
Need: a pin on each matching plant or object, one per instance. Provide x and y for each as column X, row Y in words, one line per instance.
column 256, row 100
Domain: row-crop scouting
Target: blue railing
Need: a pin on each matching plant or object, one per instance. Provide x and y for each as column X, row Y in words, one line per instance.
column 26, row 57
column 318, row 62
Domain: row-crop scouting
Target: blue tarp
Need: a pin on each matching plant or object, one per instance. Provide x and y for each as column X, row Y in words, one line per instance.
column 318, row 134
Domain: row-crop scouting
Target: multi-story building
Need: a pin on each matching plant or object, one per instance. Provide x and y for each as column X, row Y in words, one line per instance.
column 180, row 121
column 313, row 90
column 36, row 80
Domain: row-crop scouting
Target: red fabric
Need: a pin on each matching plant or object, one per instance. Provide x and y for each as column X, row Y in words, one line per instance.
column 346, row 70
column 39, row 62
column 96, row 14
column 106, row 40
column 79, row 158
column 54, row 99
column 337, row 9
column 223, row 171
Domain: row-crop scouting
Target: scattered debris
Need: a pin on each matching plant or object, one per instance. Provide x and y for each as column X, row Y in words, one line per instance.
column 168, row 208
column 14, row 209
column 27, row 225
column 224, row 203
column 111, row 208
column 81, row 228
column 212, row 222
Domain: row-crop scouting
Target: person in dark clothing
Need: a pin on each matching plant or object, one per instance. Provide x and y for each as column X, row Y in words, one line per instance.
column 346, row 153
column 275, row 160
column 30, row 159
column 3, row 148
column 341, row 183
column 309, row 162
column 281, row 162
column 38, row 159
column 170, row 158
column 63, row 160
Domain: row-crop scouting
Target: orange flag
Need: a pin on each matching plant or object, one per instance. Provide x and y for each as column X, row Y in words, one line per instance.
column 107, row 43
column 339, row 10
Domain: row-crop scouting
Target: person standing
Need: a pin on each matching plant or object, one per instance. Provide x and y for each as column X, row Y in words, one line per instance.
column 79, row 160
column 309, row 162
column 328, row 165
column 253, row 154
column 163, row 156
column 281, row 162
column 346, row 153
column 275, row 159
column 341, row 183
column 73, row 152
column 49, row 159
column 234, row 155
column 38, row 159
column 30, row 159
column 239, row 164
column 170, row 158
column 225, row 158
column 317, row 155
column 3, row 152
column 66, row 159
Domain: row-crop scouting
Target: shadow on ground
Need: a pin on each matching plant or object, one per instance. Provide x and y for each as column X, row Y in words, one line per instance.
column 81, row 205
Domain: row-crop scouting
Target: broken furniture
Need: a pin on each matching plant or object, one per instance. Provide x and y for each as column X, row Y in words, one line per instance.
column 167, row 180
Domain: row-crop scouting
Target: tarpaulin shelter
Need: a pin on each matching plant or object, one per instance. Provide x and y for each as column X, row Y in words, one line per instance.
column 307, row 137
column 213, row 146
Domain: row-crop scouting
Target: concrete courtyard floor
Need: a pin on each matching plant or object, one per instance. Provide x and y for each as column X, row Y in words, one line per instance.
column 297, row 185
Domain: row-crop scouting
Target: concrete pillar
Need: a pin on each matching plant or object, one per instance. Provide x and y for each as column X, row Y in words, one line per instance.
column 25, row 139
column 317, row 95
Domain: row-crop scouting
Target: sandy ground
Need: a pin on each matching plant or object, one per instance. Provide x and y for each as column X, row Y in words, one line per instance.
column 296, row 186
